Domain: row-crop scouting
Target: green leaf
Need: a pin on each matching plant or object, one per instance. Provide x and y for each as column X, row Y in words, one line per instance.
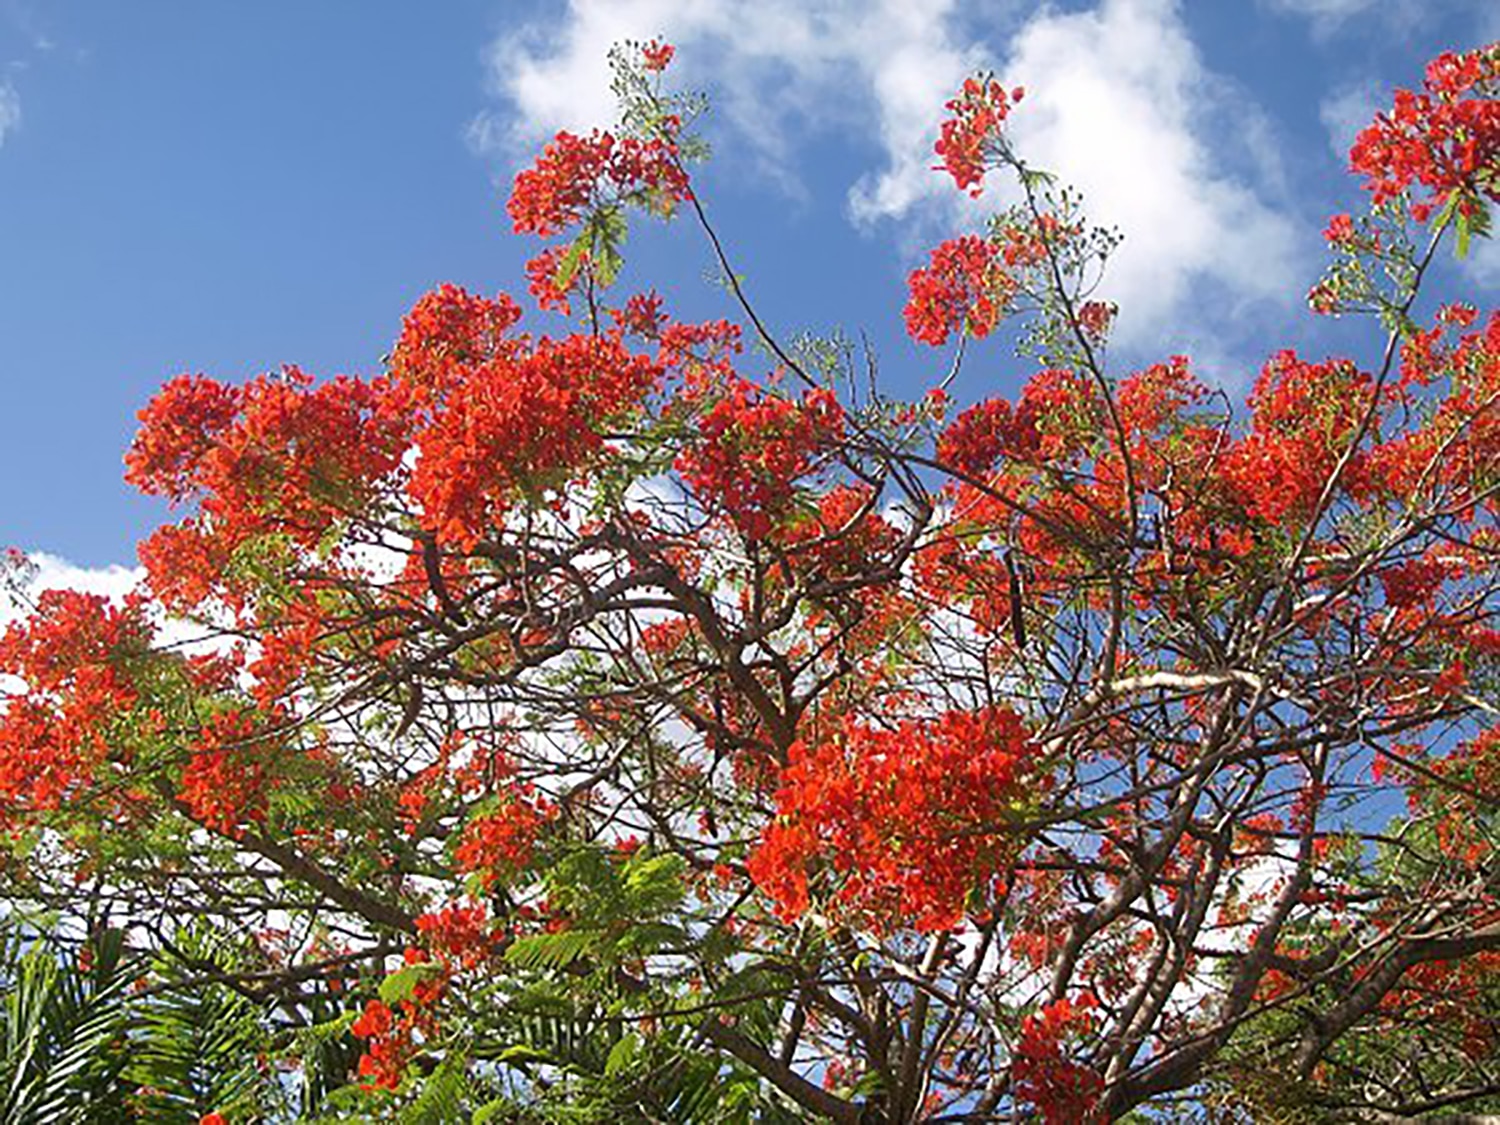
column 653, row 884
column 567, row 269
column 622, row 1055
column 606, row 231
column 650, row 937
column 552, row 951
column 1037, row 178
column 402, row 984
column 491, row 1111
column 441, row 1099
column 196, row 1046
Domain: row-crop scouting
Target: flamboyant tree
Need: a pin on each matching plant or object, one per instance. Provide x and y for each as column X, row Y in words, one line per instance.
column 652, row 721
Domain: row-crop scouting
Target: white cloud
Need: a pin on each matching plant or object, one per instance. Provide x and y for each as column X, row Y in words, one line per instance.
column 1482, row 266
column 1119, row 103
column 48, row 572
column 1393, row 17
column 773, row 65
column 53, row 573
column 1124, row 108
column 10, row 110
column 1347, row 110
column 1323, row 11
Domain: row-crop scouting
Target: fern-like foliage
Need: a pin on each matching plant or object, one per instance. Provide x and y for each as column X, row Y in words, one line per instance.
column 62, row 1030
column 197, row 1044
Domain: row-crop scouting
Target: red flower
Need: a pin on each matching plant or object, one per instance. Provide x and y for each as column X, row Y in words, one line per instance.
column 575, row 174
column 374, row 1022
column 1340, row 230
column 962, row 288
column 1064, row 1091
column 279, row 455
column 904, row 822
column 500, row 844
column 1414, row 582
column 522, row 425
column 1446, row 138
column 1303, row 416
column 968, row 137
column 225, row 784
column 178, row 427
column 457, row 934
column 657, row 55
column 1095, row 317
column 451, row 331
column 753, row 446
column 542, row 279
column 76, row 656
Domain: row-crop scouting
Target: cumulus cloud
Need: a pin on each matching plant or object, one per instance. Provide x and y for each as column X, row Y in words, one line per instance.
column 48, row 572
column 1329, row 17
column 10, row 110
column 1177, row 159
column 114, row 581
column 1120, row 104
column 1324, row 12
column 54, row 573
column 1482, row 266
column 1348, row 109
column 776, row 68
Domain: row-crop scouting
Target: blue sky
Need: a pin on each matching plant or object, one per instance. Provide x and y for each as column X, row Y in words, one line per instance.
column 225, row 187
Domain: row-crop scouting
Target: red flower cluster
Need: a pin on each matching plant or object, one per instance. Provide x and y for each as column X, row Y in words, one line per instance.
column 843, row 537
column 1152, row 399
column 979, row 436
column 657, row 55
column 394, row 1036
column 1303, row 417
column 642, row 315
column 74, row 655
column 1094, row 319
column 521, row 426
column 1446, row 138
column 459, row 935
column 1340, row 230
column 576, row 174
column 501, row 843
column 542, row 279
column 1057, row 415
column 1414, row 582
column 179, row 427
column 184, row 564
column 1062, row 1090
column 751, row 448
column 1452, row 449
column 224, row 784
column 966, row 141
column 276, row 456
column 77, row 644
column 1476, row 761
column 961, row 289
column 381, row 1061
column 286, row 452
column 450, row 331
column 906, row 822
